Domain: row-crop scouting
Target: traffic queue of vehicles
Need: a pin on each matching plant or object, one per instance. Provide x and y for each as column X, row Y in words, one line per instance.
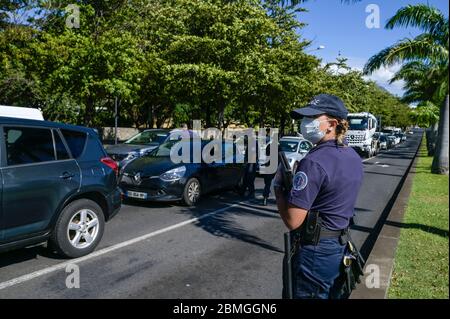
column 59, row 185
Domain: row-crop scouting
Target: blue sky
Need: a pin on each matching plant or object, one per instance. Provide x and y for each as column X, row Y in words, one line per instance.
column 342, row 28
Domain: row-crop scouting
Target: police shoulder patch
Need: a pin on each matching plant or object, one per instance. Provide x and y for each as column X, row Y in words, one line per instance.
column 300, row 181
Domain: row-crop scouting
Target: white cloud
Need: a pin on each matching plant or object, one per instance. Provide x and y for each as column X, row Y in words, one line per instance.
column 381, row 76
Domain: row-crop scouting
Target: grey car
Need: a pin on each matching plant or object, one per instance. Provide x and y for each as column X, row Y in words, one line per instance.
column 295, row 148
column 137, row 146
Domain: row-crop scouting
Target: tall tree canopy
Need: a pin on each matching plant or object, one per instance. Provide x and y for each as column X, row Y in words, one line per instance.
column 168, row 62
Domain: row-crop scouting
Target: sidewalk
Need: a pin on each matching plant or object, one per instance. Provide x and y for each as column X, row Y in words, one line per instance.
column 381, row 258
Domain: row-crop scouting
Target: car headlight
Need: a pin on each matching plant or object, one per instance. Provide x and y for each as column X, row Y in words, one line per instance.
column 173, row 174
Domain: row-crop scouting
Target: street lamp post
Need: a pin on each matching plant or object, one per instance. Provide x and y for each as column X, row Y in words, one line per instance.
column 116, row 117
column 320, row 47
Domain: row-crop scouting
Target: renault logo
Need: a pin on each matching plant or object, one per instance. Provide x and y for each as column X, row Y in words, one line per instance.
column 137, row 179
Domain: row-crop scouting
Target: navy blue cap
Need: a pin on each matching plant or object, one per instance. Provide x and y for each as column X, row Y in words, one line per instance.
column 322, row 104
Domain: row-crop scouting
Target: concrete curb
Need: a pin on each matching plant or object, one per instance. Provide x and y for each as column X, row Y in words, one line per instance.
column 382, row 256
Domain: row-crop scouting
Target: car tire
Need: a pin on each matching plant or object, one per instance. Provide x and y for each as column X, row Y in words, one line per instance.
column 192, row 192
column 87, row 216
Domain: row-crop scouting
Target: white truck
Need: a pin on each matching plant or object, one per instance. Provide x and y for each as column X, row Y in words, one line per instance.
column 360, row 136
column 21, row 112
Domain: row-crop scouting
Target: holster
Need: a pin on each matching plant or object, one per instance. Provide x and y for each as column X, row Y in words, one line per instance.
column 310, row 230
column 352, row 266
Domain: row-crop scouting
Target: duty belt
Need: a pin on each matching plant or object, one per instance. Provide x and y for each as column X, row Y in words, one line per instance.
column 326, row 233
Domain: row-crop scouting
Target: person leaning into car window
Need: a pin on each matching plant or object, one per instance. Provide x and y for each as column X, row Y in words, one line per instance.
column 248, row 188
column 327, row 181
column 267, row 177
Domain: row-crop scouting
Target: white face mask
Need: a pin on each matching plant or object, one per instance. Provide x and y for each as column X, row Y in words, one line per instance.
column 311, row 131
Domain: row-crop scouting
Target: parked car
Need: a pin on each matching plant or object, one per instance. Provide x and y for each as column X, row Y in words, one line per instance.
column 143, row 143
column 397, row 139
column 57, row 184
column 295, row 149
column 155, row 177
column 403, row 137
column 391, row 141
column 383, row 142
column 137, row 146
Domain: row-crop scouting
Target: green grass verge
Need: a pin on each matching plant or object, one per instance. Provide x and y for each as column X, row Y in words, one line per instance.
column 421, row 263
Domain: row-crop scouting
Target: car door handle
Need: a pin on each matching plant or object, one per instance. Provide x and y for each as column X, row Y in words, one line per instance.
column 66, row 175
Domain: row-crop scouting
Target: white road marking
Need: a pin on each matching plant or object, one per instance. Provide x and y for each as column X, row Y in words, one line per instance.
column 45, row 271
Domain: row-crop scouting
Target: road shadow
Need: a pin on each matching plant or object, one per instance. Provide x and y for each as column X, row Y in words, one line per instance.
column 385, row 174
column 428, row 229
column 223, row 225
column 12, row 257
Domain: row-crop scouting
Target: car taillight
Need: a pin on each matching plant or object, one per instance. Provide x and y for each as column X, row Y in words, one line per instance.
column 108, row 161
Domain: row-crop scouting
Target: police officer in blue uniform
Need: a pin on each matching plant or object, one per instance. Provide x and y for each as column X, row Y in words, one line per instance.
column 327, row 182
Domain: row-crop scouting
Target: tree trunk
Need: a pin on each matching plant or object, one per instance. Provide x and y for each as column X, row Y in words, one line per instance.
column 89, row 112
column 432, row 136
column 440, row 160
column 282, row 126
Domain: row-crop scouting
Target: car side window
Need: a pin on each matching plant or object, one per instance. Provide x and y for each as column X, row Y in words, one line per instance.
column 26, row 145
column 76, row 141
column 304, row 146
column 61, row 151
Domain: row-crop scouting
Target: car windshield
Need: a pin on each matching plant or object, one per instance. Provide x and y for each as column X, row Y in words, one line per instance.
column 383, row 138
column 148, row 137
column 358, row 123
column 164, row 149
column 288, row 146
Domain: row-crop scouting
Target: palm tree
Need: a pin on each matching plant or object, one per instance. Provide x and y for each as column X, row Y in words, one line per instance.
column 426, row 68
column 421, row 83
column 426, row 114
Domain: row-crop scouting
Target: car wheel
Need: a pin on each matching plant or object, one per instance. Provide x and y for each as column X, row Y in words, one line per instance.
column 78, row 229
column 192, row 192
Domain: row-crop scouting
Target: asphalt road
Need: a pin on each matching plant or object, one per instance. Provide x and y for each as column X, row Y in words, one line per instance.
column 226, row 247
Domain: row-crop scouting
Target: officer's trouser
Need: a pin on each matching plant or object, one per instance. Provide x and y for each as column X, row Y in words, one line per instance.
column 267, row 183
column 316, row 268
column 249, row 178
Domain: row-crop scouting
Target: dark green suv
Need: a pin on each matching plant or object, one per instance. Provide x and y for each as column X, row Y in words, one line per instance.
column 57, row 184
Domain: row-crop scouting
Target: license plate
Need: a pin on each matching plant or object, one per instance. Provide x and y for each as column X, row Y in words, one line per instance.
column 137, row 195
